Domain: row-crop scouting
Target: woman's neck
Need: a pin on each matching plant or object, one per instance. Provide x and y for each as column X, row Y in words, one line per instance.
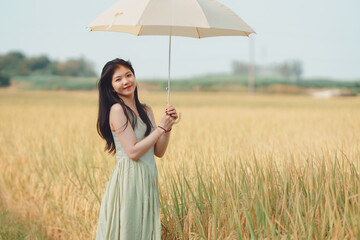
column 129, row 101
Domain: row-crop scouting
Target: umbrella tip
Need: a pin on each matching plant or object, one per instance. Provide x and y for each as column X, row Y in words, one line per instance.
column 248, row 34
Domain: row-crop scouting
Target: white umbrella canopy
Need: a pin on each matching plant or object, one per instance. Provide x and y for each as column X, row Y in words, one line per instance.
column 187, row 18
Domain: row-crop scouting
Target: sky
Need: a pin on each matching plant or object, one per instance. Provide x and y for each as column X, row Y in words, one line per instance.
column 323, row 34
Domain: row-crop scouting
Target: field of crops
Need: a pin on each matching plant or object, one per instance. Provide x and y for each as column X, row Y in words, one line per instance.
column 237, row 167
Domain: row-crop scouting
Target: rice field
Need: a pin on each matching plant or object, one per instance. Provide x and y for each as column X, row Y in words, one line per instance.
column 237, row 167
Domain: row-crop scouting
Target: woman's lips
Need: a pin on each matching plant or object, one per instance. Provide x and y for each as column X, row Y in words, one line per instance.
column 127, row 88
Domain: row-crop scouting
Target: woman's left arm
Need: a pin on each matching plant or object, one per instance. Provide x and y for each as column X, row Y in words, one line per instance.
column 162, row 143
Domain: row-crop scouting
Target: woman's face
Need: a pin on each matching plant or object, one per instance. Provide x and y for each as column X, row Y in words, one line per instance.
column 123, row 82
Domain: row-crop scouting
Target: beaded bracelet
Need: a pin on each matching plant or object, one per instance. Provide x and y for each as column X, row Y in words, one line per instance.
column 165, row 129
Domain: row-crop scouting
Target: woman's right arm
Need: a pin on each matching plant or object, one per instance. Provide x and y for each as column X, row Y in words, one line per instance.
column 127, row 137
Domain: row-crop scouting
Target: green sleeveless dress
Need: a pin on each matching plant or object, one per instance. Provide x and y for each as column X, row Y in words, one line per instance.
column 130, row 205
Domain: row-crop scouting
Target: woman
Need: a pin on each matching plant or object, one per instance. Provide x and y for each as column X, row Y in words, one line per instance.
column 130, row 204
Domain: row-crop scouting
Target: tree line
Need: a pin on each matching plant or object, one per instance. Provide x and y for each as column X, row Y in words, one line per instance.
column 17, row 64
column 290, row 70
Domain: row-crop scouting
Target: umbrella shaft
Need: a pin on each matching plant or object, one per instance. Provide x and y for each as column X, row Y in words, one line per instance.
column 168, row 88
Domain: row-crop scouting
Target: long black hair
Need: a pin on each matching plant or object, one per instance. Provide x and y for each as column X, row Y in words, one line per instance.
column 107, row 97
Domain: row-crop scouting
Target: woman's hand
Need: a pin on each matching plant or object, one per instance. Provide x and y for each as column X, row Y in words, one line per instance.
column 166, row 121
column 171, row 111
column 169, row 117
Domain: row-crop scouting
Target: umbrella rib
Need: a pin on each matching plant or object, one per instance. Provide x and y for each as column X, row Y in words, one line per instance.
column 140, row 30
column 197, row 30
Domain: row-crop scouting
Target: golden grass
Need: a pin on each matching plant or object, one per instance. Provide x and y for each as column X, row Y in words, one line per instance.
column 237, row 167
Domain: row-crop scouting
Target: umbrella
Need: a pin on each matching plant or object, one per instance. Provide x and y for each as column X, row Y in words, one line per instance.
column 187, row 18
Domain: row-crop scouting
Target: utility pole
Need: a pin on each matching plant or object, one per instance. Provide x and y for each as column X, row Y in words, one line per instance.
column 251, row 75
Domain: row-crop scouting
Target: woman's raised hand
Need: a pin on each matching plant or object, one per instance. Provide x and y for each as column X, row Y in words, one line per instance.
column 166, row 121
column 169, row 117
column 170, row 110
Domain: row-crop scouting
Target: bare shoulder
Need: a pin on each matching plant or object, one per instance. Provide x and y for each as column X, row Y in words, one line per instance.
column 116, row 107
column 116, row 116
column 117, row 111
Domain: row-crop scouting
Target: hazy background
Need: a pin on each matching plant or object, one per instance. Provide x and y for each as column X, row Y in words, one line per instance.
column 323, row 35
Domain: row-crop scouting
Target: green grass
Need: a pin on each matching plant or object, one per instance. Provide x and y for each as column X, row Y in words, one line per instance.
column 13, row 227
column 264, row 201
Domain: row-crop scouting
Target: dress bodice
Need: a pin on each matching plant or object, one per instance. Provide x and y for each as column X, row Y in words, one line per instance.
column 140, row 129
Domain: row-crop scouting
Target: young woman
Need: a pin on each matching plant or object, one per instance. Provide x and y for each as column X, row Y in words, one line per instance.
column 130, row 205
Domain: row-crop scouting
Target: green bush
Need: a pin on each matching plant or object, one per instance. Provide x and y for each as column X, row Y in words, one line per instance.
column 4, row 81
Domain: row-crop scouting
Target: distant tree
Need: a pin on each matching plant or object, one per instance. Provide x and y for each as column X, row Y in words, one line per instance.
column 13, row 64
column 284, row 70
column 73, row 67
column 297, row 69
column 291, row 70
column 4, row 81
column 240, row 68
column 37, row 63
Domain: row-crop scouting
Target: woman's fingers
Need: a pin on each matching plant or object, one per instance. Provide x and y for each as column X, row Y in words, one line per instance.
column 174, row 116
column 171, row 111
column 170, row 107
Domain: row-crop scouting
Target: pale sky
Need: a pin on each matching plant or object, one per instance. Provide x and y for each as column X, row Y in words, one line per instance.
column 323, row 34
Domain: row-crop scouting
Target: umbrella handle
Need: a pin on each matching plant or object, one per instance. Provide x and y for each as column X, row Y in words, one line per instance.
column 168, row 97
column 178, row 120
